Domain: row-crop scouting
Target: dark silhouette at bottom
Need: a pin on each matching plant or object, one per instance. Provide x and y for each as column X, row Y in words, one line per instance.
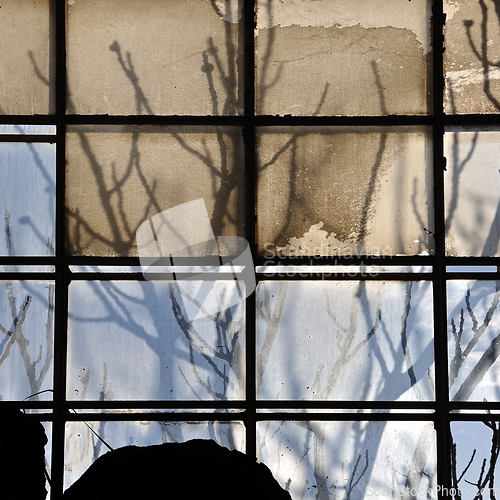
column 192, row 470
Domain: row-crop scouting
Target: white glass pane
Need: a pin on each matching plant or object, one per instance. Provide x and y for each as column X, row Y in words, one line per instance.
column 473, row 337
column 27, row 207
column 27, row 129
column 26, row 339
column 472, row 192
column 83, row 447
column 315, row 338
column 136, row 340
column 342, row 460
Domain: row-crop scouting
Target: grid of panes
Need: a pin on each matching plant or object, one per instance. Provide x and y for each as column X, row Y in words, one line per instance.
column 329, row 160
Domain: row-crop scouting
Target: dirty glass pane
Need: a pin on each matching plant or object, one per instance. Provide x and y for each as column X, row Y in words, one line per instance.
column 163, row 57
column 472, row 192
column 355, row 460
column 339, row 57
column 155, row 340
column 345, row 191
column 473, row 337
column 28, row 206
column 119, row 177
column 473, row 440
column 83, row 447
column 26, row 339
column 315, row 337
column 27, row 65
column 472, row 40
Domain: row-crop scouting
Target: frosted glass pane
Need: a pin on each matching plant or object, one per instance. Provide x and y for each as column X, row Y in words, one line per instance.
column 83, row 447
column 345, row 191
column 26, row 339
column 472, row 75
column 27, row 66
column 161, row 57
column 473, row 440
column 339, row 57
column 134, row 340
column 472, row 192
column 314, row 338
column 118, row 177
column 473, row 326
column 342, row 460
column 28, row 206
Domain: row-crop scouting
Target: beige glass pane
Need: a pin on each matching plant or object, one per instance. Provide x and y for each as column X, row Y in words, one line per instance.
column 472, row 192
column 344, row 191
column 162, row 57
column 339, row 57
column 119, row 177
column 27, row 64
column 472, row 40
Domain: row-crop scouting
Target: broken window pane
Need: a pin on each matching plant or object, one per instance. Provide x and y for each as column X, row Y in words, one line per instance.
column 26, row 339
column 345, row 460
column 28, row 206
column 472, row 74
column 118, row 177
column 155, row 340
column 315, row 337
column 475, row 442
column 27, row 65
column 343, row 58
column 163, row 57
column 472, row 192
column 345, row 191
column 473, row 326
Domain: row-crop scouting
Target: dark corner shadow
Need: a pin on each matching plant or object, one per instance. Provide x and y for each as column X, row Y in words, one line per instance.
column 191, row 470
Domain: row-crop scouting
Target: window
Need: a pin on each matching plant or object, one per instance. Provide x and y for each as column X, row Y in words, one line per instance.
column 356, row 158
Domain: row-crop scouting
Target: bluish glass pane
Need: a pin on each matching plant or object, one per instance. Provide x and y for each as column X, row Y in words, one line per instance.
column 27, row 205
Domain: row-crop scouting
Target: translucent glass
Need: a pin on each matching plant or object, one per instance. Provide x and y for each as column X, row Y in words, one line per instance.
column 163, row 57
column 345, row 191
column 345, row 460
column 27, row 129
column 328, row 271
column 118, row 177
column 473, row 326
column 472, row 192
column 28, row 205
column 472, row 40
column 26, row 340
column 473, row 441
column 28, row 64
column 7, row 268
column 314, row 338
column 136, row 340
column 339, row 57
column 83, row 446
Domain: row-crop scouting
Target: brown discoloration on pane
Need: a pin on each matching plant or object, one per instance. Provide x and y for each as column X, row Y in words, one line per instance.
column 26, row 65
column 341, row 71
column 117, row 177
column 159, row 57
column 370, row 192
column 472, row 39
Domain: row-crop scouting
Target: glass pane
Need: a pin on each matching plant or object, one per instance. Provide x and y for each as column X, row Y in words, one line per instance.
column 83, row 447
column 27, row 129
column 118, row 177
column 473, row 441
column 26, row 339
column 345, row 460
column 163, row 57
column 27, row 66
column 472, row 192
column 136, row 340
column 473, row 326
column 28, row 206
column 471, row 56
column 339, row 57
column 345, row 191
column 315, row 337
